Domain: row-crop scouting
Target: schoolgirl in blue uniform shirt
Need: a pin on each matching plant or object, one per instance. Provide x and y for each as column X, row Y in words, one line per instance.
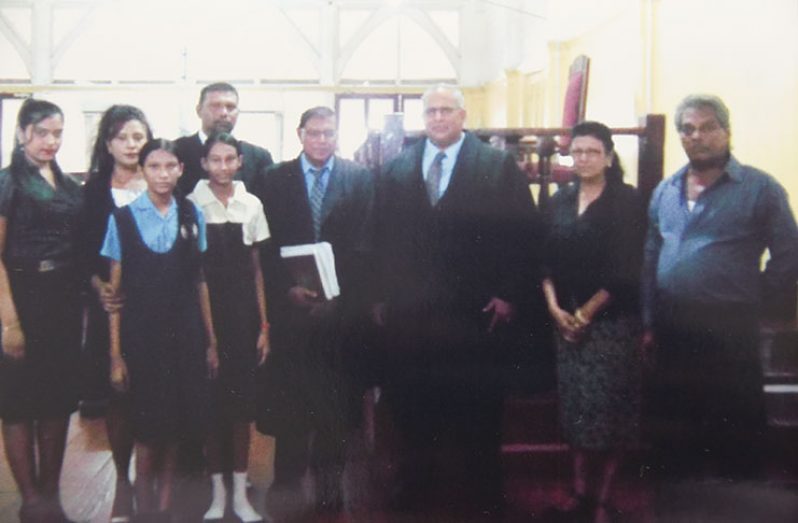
column 163, row 346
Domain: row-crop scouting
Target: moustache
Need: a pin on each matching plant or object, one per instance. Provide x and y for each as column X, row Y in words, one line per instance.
column 223, row 127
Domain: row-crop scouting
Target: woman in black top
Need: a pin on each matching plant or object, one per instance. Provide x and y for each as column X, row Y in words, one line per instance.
column 593, row 259
column 115, row 181
column 40, row 309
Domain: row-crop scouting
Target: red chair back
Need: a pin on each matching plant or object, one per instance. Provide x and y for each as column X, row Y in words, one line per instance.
column 575, row 98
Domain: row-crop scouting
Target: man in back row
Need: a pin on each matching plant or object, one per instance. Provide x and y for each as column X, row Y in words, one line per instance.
column 218, row 111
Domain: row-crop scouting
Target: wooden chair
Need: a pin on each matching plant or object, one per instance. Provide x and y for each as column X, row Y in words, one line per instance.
column 546, row 170
column 650, row 142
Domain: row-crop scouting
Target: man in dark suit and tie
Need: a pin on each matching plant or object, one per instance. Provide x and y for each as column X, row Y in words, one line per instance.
column 305, row 388
column 218, row 111
column 457, row 230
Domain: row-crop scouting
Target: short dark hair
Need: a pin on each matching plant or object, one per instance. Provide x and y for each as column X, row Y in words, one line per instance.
column 220, row 137
column 599, row 131
column 320, row 111
column 708, row 101
column 217, row 87
column 112, row 121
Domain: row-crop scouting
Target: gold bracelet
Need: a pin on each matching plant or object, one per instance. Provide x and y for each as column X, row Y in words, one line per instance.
column 581, row 318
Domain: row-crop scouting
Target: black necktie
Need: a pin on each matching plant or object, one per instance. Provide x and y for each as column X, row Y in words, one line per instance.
column 434, row 178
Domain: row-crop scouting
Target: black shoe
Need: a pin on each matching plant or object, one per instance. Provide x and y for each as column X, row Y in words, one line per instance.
column 34, row 513
column 607, row 513
column 329, row 496
column 122, row 509
column 407, row 497
column 153, row 517
column 43, row 512
column 580, row 510
column 93, row 409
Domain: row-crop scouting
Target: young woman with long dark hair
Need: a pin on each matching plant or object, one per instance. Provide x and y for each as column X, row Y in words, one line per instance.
column 40, row 309
column 115, row 180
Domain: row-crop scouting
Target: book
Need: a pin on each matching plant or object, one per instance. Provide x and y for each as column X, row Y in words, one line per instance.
column 313, row 266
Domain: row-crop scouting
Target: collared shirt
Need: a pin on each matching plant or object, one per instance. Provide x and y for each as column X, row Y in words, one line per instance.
column 123, row 197
column 202, row 136
column 242, row 207
column 310, row 179
column 712, row 254
column 447, row 165
column 158, row 231
column 42, row 220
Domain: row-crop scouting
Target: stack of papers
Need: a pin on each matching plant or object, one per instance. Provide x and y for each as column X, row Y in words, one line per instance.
column 313, row 266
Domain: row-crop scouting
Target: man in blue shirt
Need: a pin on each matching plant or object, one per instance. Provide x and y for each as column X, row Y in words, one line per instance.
column 709, row 225
column 308, row 398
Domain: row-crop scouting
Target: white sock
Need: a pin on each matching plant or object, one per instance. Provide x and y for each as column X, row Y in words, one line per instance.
column 241, row 506
column 218, row 500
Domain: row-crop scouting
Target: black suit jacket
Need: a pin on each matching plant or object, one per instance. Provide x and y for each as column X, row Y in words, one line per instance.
column 481, row 240
column 189, row 150
column 98, row 204
column 346, row 224
column 304, row 376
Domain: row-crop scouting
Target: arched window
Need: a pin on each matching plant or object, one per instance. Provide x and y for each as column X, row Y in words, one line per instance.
column 405, row 47
column 154, row 41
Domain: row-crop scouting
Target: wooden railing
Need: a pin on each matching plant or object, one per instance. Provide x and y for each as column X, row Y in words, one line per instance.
column 525, row 143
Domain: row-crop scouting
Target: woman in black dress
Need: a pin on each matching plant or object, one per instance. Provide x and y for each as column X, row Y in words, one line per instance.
column 40, row 309
column 115, row 180
column 236, row 225
column 593, row 259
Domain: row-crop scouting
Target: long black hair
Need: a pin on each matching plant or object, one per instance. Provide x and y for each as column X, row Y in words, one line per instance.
column 112, row 121
column 32, row 112
column 599, row 131
column 187, row 225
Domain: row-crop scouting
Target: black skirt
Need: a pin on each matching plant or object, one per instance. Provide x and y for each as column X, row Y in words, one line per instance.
column 234, row 305
column 45, row 384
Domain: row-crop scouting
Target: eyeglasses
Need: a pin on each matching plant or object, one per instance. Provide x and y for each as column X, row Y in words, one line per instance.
column 430, row 112
column 689, row 130
column 590, row 153
column 314, row 134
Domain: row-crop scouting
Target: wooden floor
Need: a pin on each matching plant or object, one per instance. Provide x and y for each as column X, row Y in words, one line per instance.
column 536, row 477
column 87, row 480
